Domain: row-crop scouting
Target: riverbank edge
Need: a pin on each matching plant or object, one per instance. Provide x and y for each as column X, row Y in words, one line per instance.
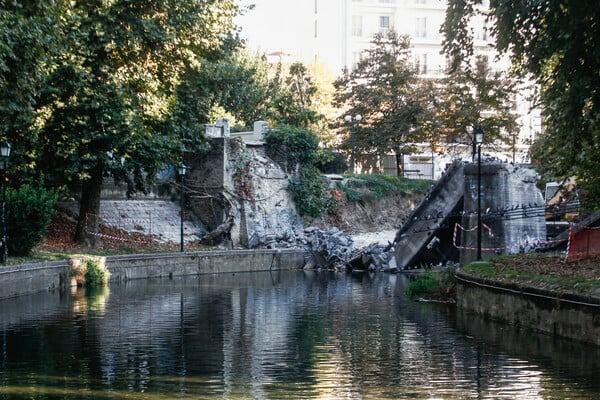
column 26, row 279
column 565, row 315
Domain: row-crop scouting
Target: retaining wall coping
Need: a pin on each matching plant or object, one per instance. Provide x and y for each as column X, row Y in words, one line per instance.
column 25, row 279
column 33, row 266
column 527, row 290
column 202, row 253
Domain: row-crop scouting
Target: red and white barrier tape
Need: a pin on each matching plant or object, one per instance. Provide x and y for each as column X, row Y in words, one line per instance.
column 117, row 238
column 537, row 243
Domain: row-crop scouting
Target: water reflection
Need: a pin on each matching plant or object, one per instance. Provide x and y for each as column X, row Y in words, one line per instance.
column 276, row 335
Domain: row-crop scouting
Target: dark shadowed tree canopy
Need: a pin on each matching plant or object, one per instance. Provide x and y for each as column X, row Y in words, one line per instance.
column 101, row 82
column 557, row 43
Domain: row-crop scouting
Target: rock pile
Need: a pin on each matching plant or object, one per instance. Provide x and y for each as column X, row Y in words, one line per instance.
column 374, row 257
column 333, row 249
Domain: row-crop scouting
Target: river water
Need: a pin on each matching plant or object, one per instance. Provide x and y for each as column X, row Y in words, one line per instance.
column 276, row 335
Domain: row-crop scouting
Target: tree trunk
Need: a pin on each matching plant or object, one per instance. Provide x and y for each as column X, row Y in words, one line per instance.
column 89, row 210
column 399, row 164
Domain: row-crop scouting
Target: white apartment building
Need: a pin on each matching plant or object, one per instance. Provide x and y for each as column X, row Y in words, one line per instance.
column 335, row 32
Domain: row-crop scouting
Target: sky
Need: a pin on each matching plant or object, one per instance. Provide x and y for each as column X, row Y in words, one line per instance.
column 272, row 25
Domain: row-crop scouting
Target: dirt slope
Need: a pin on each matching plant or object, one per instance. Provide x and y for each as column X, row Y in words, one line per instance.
column 371, row 216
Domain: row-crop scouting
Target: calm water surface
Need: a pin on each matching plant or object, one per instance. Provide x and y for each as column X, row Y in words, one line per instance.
column 280, row 335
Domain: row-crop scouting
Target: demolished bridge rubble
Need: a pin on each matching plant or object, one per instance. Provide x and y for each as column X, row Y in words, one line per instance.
column 442, row 229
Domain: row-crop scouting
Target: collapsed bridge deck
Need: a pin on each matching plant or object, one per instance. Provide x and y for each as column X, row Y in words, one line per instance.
column 430, row 225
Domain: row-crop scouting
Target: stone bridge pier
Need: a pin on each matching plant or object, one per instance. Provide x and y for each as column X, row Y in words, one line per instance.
column 512, row 210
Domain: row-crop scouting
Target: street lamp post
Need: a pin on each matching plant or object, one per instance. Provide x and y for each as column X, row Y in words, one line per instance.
column 5, row 153
column 479, row 141
column 348, row 118
column 182, row 170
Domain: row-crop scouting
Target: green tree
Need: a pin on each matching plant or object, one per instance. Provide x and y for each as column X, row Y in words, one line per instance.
column 555, row 42
column 477, row 96
column 106, row 108
column 30, row 32
column 382, row 88
column 292, row 96
column 235, row 84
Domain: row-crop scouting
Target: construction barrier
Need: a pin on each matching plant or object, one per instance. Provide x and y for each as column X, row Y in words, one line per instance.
column 583, row 243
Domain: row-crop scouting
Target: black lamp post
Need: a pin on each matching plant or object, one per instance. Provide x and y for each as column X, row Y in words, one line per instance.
column 348, row 118
column 479, row 141
column 182, row 169
column 5, row 153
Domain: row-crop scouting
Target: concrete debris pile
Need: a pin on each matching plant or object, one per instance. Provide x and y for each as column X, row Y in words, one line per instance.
column 374, row 257
column 332, row 249
column 280, row 238
column 329, row 249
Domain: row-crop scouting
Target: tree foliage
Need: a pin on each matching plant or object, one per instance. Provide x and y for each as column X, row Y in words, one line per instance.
column 246, row 89
column 99, row 81
column 381, row 88
column 556, row 42
column 477, row 97
column 235, row 85
column 292, row 94
column 30, row 38
column 29, row 212
column 400, row 108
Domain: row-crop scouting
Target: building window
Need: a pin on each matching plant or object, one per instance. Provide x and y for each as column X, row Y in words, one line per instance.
column 486, row 59
column 357, row 25
column 421, row 27
column 355, row 58
column 421, row 63
column 384, row 24
column 481, row 33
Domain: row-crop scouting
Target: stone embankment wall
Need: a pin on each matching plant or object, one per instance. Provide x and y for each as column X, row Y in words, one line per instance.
column 567, row 315
column 237, row 179
column 32, row 278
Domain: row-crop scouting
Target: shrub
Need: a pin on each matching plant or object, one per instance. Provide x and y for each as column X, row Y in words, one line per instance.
column 364, row 188
column 424, row 284
column 330, row 162
column 96, row 273
column 29, row 211
column 309, row 190
column 298, row 150
column 438, row 285
column 290, row 146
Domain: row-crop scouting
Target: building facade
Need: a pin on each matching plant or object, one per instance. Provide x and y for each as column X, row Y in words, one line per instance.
column 336, row 32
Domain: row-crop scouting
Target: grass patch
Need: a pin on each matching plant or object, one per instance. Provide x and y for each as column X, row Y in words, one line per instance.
column 37, row 256
column 436, row 285
column 542, row 271
column 484, row 269
column 48, row 256
column 376, row 186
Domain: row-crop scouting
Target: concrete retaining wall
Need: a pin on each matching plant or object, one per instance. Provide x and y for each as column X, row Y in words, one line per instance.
column 32, row 278
column 568, row 316
column 202, row 262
